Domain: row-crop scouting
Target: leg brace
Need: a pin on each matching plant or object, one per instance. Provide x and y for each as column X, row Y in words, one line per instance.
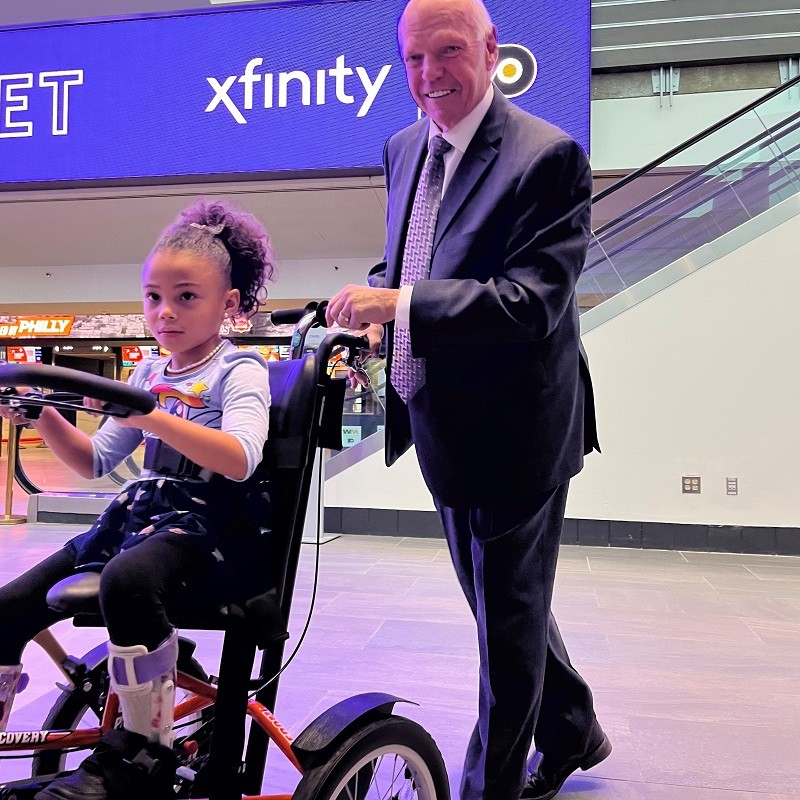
column 145, row 684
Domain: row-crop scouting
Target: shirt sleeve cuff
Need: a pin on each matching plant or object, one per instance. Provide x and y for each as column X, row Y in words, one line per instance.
column 402, row 317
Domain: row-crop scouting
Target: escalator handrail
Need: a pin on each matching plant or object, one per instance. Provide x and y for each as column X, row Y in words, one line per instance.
column 698, row 137
column 609, row 253
column 633, row 215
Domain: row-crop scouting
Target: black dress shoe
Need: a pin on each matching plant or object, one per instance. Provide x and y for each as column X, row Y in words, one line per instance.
column 549, row 776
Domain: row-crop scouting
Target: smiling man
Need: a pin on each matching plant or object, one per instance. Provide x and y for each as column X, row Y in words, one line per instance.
column 487, row 229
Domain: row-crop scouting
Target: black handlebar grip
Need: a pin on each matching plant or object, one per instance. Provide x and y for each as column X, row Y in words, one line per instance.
column 291, row 316
column 319, row 314
column 287, row 316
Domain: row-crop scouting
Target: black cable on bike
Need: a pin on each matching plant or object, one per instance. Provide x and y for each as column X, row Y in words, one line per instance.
column 315, row 584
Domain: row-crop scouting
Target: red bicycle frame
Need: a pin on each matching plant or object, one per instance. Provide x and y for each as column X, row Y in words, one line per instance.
column 202, row 696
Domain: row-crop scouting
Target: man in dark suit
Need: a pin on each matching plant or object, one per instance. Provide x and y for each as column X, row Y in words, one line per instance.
column 487, row 229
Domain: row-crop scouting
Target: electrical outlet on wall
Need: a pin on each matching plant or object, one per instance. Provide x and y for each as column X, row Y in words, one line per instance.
column 731, row 486
column 691, row 484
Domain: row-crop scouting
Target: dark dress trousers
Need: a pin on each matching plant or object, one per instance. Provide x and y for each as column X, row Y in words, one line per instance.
column 506, row 413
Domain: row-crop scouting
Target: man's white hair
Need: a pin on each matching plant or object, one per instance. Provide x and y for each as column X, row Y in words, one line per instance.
column 483, row 22
column 476, row 13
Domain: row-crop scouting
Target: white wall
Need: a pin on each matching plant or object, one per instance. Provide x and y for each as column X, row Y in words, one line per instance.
column 628, row 133
column 371, row 484
column 99, row 283
column 700, row 379
column 121, row 282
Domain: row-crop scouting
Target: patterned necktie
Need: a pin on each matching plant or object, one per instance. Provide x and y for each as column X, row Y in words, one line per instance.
column 408, row 373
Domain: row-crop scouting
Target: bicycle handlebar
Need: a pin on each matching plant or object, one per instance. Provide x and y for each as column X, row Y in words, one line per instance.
column 121, row 399
column 287, row 316
column 339, row 339
column 291, row 316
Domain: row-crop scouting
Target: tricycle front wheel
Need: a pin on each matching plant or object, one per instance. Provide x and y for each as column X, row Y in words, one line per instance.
column 392, row 757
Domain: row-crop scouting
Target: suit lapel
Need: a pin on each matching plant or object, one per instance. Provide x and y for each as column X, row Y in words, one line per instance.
column 480, row 155
column 405, row 177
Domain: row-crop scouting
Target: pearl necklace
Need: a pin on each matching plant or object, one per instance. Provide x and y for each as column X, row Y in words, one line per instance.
column 196, row 364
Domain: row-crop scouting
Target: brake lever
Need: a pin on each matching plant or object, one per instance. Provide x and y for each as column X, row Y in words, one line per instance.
column 360, row 370
column 16, row 401
column 357, row 359
column 114, row 410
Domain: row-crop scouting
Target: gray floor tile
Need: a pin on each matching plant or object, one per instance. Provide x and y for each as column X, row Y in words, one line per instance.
column 692, row 657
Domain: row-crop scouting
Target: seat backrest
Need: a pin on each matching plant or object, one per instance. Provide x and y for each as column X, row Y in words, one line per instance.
column 296, row 399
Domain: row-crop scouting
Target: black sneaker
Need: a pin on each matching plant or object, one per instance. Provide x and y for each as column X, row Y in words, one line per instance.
column 124, row 766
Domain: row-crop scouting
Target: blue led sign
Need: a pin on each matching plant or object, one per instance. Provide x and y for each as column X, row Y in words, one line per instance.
column 274, row 89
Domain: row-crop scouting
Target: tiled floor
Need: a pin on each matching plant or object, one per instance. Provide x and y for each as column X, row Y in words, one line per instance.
column 694, row 658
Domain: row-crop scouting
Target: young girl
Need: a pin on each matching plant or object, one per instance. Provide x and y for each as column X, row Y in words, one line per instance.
column 188, row 529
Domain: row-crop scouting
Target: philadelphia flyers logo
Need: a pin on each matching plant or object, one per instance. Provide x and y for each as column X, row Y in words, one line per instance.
column 516, row 69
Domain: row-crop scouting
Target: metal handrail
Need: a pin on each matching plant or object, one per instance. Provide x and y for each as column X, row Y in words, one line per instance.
column 617, row 185
column 634, row 215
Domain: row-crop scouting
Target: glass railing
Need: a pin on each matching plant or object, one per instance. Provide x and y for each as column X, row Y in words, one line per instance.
column 39, row 470
column 696, row 193
column 364, row 407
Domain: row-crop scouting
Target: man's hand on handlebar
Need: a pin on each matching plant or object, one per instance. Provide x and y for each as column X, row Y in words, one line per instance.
column 358, row 307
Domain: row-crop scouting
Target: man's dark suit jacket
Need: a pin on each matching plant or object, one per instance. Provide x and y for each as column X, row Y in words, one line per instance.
column 507, row 408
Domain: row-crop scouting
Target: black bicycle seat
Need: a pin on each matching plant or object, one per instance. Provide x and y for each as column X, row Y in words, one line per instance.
column 77, row 594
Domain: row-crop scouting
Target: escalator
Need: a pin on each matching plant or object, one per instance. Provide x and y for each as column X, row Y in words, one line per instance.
column 749, row 166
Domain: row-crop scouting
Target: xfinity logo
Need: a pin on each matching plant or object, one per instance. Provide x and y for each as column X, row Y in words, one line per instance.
column 16, row 91
column 270, row 90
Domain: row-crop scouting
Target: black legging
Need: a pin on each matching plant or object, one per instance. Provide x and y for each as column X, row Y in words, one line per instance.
column 137, row 587
column 23, row 608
